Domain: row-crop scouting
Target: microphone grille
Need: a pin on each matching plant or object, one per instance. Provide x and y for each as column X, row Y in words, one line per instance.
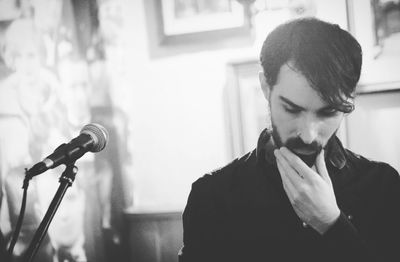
column 99, row 135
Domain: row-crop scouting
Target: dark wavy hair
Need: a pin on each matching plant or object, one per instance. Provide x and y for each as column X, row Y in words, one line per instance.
column 327, row 56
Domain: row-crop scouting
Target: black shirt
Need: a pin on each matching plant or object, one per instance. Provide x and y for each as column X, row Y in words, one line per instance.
column 241, row 212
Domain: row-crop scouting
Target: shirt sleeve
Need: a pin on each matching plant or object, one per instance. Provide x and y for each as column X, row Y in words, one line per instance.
column 345, row 242
column 379, row 240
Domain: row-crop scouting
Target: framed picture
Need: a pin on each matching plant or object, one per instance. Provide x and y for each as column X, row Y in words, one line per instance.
column 376, row 25
column 195, row 16
column 176, row 26
column 246, row 107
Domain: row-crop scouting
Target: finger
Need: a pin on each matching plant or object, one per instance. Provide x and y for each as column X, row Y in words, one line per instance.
column 321, row 167
column 287, row 184
column 292, row 174
column 296, row 163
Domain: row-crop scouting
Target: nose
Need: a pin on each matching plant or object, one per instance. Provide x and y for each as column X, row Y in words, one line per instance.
column 308, row 131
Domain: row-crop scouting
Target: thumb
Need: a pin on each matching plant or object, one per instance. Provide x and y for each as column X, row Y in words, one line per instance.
column 321, row 167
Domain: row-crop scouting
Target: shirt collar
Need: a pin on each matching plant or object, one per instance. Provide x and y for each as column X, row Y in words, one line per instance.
column 334, row 152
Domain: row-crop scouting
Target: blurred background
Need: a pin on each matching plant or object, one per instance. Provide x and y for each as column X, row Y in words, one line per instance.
column 175, row 84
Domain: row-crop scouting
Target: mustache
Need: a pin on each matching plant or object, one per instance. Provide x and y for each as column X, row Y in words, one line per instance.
column 297, row 143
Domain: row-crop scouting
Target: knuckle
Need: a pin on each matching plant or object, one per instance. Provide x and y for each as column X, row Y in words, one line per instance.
column 303, row 195
column 303, row 189
column 313, row 181
column 297, row 198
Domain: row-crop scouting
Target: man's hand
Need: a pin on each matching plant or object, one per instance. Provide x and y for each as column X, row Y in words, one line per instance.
column 310, row 192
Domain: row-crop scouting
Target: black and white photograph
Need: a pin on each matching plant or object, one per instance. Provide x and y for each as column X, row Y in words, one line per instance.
column 199, row 130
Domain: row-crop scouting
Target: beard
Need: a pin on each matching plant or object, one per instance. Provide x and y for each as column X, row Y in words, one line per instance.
column 296, row 143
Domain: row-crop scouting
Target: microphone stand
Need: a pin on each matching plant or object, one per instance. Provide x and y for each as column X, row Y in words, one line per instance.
column 66, row 180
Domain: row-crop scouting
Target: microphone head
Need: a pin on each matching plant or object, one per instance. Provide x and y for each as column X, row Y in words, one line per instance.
column 99, row 135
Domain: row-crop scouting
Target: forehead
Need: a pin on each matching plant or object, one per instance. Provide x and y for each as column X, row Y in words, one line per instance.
column 292, row 85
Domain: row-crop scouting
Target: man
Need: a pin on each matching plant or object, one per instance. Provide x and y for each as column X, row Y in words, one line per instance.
column 299, row 196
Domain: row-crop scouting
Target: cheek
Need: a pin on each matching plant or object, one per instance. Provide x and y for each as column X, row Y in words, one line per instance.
column 328, row 127
column 285, row 123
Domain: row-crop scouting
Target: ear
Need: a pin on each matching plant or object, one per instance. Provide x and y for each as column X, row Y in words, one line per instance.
column 264, row 85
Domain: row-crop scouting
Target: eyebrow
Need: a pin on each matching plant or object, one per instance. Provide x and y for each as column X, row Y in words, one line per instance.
column 292, row 104
column 287, row 101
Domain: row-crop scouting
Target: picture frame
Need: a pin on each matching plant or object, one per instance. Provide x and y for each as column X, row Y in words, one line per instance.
column 377, row 28
column 174, row 29
column 246, row 106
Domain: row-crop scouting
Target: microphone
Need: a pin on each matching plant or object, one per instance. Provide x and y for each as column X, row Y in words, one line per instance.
column 93, row 137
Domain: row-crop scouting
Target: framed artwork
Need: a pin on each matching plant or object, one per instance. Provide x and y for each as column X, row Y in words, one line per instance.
column 246, row 107
column 176, row 26
column 195, row 16
column 376, row 25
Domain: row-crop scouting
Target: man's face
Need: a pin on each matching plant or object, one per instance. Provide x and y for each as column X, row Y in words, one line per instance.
column 301, row 120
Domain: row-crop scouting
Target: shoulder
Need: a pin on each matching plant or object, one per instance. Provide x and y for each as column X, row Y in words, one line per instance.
column 211, row 192
column 367, row 167
column 223, row 176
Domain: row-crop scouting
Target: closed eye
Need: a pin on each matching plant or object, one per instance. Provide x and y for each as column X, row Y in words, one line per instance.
column 292, row 110
column 290, row 107
column 328, row 112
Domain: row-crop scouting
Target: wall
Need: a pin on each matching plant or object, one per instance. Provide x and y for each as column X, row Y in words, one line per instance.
column 175, row 105
column 373, row 114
